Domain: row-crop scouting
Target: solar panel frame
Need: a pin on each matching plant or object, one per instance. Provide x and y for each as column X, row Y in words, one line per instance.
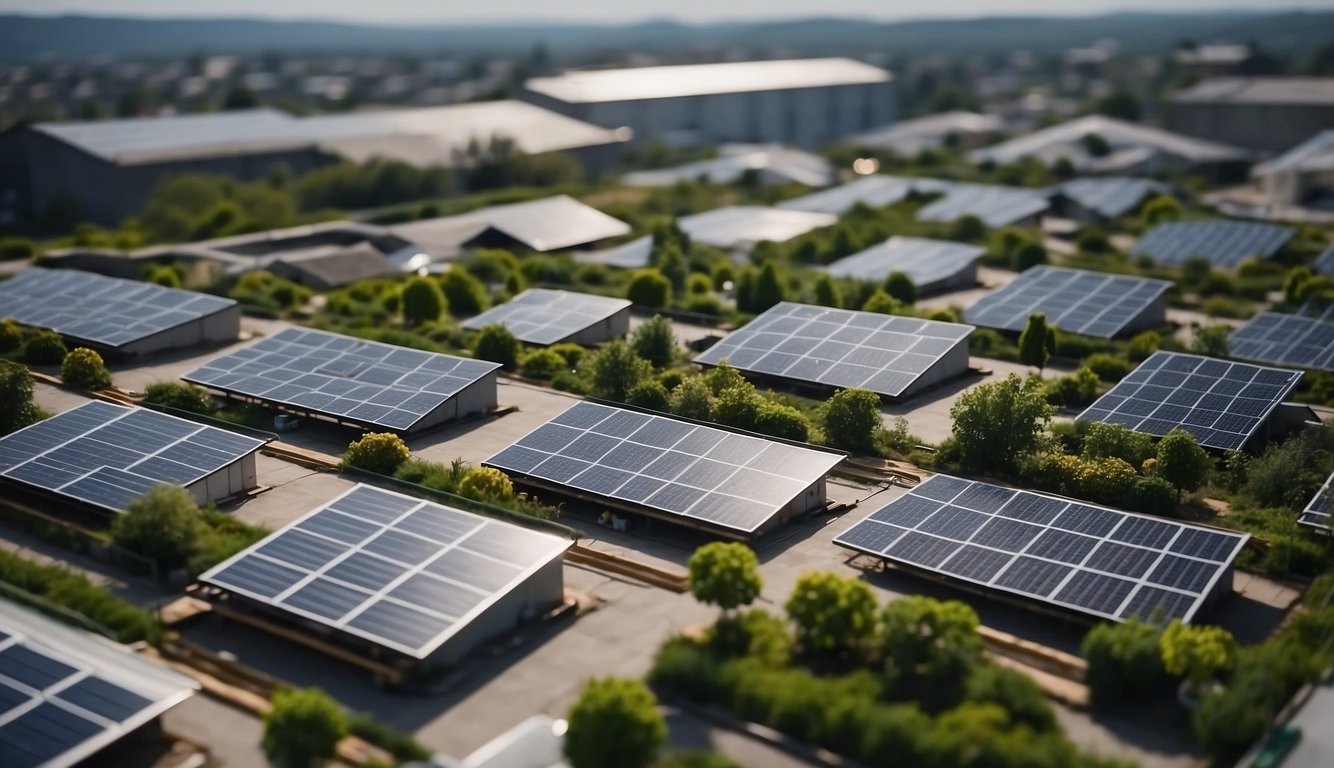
column 1271, row 337
column 1221, row 403
column 100, row 311
column 1047, row 561
column 387, row 567
column 1316, row 514
column 343, row 377
column 1074, row 300
column 106, row 455
column 1223, row 243
column 841, row 348
column 543, row 316
column 733, row 482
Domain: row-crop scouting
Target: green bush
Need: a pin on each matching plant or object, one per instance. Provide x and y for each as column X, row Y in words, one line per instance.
column 900, row 287
column 648, row 288
column 302, row 728
column 650, row 394
column 655, row 341
column 486, row 484
column 161, row 274
column 379, row 452
column 496, row 344
column 163, row 524
column 464, row 294
column 1289, row 474
column 1029, row 255
column 84, row 368
column 967, row 229
column 541, row 364
column 1015, row 692
column 1152, row 495
column 1125, row 666
column 615, row 370
column 738, row 407
column 58, row 585
column 44, row 348
column 782, row 421
column 692, row 399
column 1103, row 440
column 221, row 537
column 1074, row 391
column 851, row 419
column 1110, row 368
column 573, row 353
column 181, row 396
column 16, row 248
column 725, row 574
column 882, row 303
column 996, row 422
column 831, row 613
column 1142, row 345
column 17, row 409
column 422, row 301
column 11, row 334
column 930, row 647
column 402, row 746
column 615, row 723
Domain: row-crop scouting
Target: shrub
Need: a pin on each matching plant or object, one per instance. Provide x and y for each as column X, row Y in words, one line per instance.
column 496, row 343
column 648, row 288
column 615, row 723
column 422, row 300
column 379, row 452
column 1078, row 389
column 1289, row 474
column 995, row 422
column 782, row 421
column 900, row 287
column 768, row 289
column 692, row 399
column 1152, row 495
column 827, row 293
column 84, row 368
column 302, row 728
column 725, row 574
column 44, row 348
column 851, row 418
column 1028, row 255
column 541, row 364
column 1015, row 692
column 163, row 275
column 58, row 585
column 650, row 394
column 573, row 353
column 1102, row 440
column 616, row 369
column 738, row 407
column 1182, row 462
column 967, row 229
column 1210, row 340
column 181, row 396
column 1093, row 240
column 831, row 613
column 698, row 284
column 930, row 648
column 11, row 334
column 1142, row 345
column 1037, row 342
column 1105, row 480
column 1110, row 368
column 162, row 524
column 655, row 341
column 1125, row 666
column 464, row 294
column 882, row 303
column 16, row 248
column 17, row 409
column 486, row 484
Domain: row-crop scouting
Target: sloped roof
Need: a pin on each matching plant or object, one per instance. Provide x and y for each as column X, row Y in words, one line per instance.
column 773, row 163
column 548, row 224
column 1260, row 90
column 912, row 136
column 1066, row 140
column 1313, row 155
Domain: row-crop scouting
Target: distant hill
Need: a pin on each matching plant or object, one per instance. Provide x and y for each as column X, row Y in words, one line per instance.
column 74, row 37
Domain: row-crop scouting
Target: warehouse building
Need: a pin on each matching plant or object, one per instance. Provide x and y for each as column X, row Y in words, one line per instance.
column 1269, row 114
column 802, row 102
column 106, row 170
column 1303, row 176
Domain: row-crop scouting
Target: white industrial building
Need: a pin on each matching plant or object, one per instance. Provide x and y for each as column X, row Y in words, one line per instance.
column 802, row 102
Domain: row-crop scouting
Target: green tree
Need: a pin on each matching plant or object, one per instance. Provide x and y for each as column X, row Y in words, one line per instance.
column 616, row 369
column 1037, row 342
column 882, row 303
column 495, row 343
column 738, row 407
column 827, row 293
column 655, row 341
column 17, row 409
column 84, row 368
column 996, row 422
column 422, row 301
column 648, row 288
column 1197, row 653
column 44, row 348
column 900, row 287
column 692, row 399
column 671, row 263
column 615, row 723
column 930, row 647
column 1160, row 209
column 1125, row 665
column 380, row 452
column 1210, row 340
column 769, row 289
column 465, row 294
column 1030, row 254
column 725, row 574
column 1119, row 441
column 163, row 524
column 852, row 418
column 831, row 613
column 302, row 728
column 1182, row 462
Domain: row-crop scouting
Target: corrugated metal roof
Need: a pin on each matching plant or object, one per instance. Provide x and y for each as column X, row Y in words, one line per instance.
column 589, row 86
column 1067, row 141
column 774, row 164
column 1260, row 90
column 548, row 224
column 742, row 225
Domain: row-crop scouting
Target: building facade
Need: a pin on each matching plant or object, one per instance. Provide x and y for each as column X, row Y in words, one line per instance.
column 1269, row 114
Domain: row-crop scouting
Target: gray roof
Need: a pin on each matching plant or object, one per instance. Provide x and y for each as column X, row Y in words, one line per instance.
column 1066, row 141
column 333, row 266
column 1260, row 90
column 427, row 136
column 996, row 206
column 1315, row 155
column 1111, row 196
column 547, row 224
column 912, row 136
column 927, row 262
column 632, row 255
column 774, row 164
column 744, row 225
column 589, row 86
column 876, row 191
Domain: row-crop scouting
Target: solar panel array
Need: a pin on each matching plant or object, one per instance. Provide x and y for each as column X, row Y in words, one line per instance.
column 104, row 311
column 743, row 225
column 1270, row 337
column 1220, row 403
column 927, row 262
column 1224, row 244
column 1091, row 303
column 542, row 316
column 838, row 347
column 875, row 191
column 1324, row 263
column 717, row 477
column 56, row 708
column 107, row 455
column 632, row 255
column 1109, row 196
column 1099, row 561
column 995, row 206
column 1316, row 514
column 364, row 381
column 403, row 573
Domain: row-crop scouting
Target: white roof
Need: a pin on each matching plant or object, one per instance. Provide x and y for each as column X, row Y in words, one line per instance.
column 537, row 742
column 1260, row 90
column 632, row 255
column 775, row 164
column 1066, row 140
column 912, row 136
column 548, row 224
column 1313, row 155
column 876, row 191
column 589, row 86
column 743, row 225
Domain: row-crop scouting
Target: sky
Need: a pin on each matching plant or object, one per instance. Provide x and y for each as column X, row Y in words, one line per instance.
column 446, row 11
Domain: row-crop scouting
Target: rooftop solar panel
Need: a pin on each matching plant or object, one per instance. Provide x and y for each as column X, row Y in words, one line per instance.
column 995, row 206
column 364, row 382
column 1091, row 303
column 65, row 694
column 402, row 573
column 98, row 310
column 1224, row 244
column 1222, row 404
column 725, row 480
column 1316, row 514
column 744, row 225
column 542, row 316
column 1324, row 263
column 1093, row 560
column 106, row 454
column 1269, row 337
column 1111, row 197
column 875, row 191
column 839, row 348
column 930, row 263
column 632, row 255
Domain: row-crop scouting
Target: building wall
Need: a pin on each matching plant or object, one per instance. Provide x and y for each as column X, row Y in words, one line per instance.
column 475, row 399
column 614, row 327
column 1152, row 317
column 1271, row 128
column 961, row 280
column 219, row 327
column 539, row 593
column 804, row 117
column 951, row 364
column 233, row 479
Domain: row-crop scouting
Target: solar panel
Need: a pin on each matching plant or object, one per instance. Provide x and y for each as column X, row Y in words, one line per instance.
column 1224, row 244
column 1316, row 514
column 1270, row 337
column 1324, row 263
column 841, row 348
column 1091, row 303
column 875, row 191
column 400, row 572
column 743, row 225
column 365, row 382
column 542, row 316
column 1109, row 196
column 107, row 455
column 930, row 263
column 996, row 206
column 64, row 695
column 1222, row 404
column 632, row 255
column 731, row 481
column 1094, row 560
column 99, row 310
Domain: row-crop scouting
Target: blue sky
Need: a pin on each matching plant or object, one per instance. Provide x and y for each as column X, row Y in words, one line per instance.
column 444, row 11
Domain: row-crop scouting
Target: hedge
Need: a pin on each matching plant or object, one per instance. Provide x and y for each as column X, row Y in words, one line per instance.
column 57, row 585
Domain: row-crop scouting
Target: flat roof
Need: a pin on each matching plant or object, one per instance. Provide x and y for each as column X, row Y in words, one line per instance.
column 1260, row 90
column 631, row 84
